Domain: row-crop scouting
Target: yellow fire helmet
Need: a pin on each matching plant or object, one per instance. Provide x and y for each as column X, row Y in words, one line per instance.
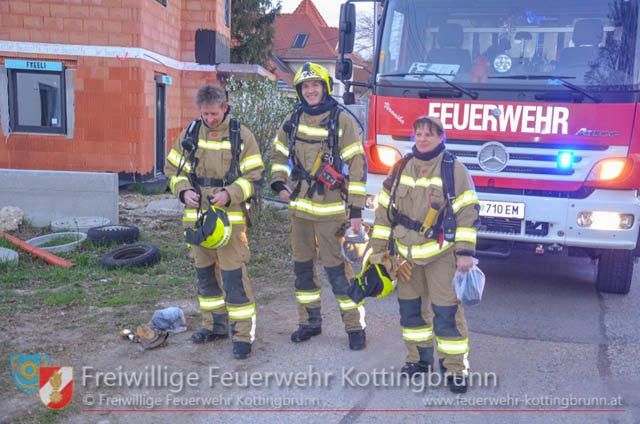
column 373, row 281
column 311, row 71
column 212, row 230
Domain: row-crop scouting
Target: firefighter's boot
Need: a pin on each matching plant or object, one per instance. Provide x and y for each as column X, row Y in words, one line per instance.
column 411, row 368
column 212, row 307
column 308, row 297
column 352, row 313
column 241, row 350
column 457, row 384
column 304, row 333
column 357, row 340
column 424, row 365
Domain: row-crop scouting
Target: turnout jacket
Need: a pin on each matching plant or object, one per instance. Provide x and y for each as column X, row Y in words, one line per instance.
column 419, row 186
column 214, row 160
column 312, row 138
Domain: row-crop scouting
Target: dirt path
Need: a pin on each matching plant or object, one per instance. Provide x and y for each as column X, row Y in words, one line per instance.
column 88, row 336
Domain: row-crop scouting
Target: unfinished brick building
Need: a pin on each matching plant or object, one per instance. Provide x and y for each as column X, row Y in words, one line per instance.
column 104, row 85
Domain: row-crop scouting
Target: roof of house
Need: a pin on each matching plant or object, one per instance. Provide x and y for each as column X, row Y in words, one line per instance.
column 306, row 19
column 314, row 40
column 319, row 43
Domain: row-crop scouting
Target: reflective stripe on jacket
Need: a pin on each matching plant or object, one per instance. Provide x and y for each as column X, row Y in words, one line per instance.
column 214, row 159
column 419, row 186
column 321, row 207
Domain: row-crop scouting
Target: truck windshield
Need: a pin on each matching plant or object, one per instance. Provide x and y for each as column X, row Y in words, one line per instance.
column 588, row 42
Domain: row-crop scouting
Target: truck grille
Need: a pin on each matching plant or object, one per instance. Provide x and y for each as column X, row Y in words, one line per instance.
column 500, row 225
column 526, row 170
column 512, row 226
column 582, row 193
column 535, row 160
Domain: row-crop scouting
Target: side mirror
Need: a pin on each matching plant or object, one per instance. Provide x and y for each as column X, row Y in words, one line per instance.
column 347, row 28
column 344, row 69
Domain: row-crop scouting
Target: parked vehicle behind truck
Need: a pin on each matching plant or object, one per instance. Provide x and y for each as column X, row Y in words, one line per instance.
column 539, row 99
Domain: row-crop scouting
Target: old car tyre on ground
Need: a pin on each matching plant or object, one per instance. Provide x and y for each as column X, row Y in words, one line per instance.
column 114, row 233
column 131, row 255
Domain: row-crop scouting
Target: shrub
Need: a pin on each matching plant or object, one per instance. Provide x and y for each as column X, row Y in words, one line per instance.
column 262, row 108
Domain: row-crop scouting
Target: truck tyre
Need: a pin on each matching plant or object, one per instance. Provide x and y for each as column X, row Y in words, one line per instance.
column 615, row 269
column 114, row 233
column 636, row 251
column 131, row 255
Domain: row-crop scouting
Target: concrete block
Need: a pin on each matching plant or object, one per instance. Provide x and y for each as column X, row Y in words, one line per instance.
column 45, row 196
column 8, row 255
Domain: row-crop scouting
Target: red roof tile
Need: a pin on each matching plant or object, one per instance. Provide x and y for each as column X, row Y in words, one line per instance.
column 307, row 7
column 304, row 20
column 331, row 34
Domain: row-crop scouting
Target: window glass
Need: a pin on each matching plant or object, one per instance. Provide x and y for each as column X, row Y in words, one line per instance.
column 589, row 42
column 300, row 41
column 36, row 101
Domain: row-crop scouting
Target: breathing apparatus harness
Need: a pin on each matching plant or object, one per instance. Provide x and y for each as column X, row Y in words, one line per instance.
column 190, row 146
column 326, row 172
column 442, row 227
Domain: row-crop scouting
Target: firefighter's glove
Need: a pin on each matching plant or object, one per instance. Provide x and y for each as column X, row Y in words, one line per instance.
column 404, row 269
column 385, row 260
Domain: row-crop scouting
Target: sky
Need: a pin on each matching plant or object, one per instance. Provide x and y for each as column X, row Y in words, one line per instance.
column 329, row 9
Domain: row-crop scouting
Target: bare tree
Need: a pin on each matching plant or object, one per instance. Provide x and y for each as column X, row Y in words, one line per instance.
column 364, row 35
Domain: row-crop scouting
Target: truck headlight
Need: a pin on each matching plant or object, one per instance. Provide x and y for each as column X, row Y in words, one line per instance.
column 388, row 155
column 600, row 220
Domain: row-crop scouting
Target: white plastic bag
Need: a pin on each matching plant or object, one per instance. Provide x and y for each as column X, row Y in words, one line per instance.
column 469, row 285
column 170, row 319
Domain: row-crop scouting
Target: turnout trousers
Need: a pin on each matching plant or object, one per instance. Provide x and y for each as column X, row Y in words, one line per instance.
column 429, row 293
column 308, row 238
column 224, row 289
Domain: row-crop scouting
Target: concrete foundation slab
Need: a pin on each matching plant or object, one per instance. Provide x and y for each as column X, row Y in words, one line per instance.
column 45, row 196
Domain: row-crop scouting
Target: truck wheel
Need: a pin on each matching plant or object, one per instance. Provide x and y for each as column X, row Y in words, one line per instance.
column 615, row 269
column 131, row 255
column 636, row 251
column 114, row 233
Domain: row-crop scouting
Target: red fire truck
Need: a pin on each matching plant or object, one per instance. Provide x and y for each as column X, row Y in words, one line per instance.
column 539, row 100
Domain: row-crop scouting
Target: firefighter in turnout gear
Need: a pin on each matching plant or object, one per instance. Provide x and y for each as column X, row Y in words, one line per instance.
column 428, row 214
column 212, row 169
column 310, row 150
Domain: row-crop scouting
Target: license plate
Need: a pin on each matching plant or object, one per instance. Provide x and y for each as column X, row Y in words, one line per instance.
column 502, row 209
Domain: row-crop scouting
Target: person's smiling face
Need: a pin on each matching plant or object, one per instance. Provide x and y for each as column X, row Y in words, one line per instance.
column 426, row 139
column 312, row 91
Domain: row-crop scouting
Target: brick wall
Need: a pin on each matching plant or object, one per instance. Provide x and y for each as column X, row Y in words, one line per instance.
column 114, row 97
